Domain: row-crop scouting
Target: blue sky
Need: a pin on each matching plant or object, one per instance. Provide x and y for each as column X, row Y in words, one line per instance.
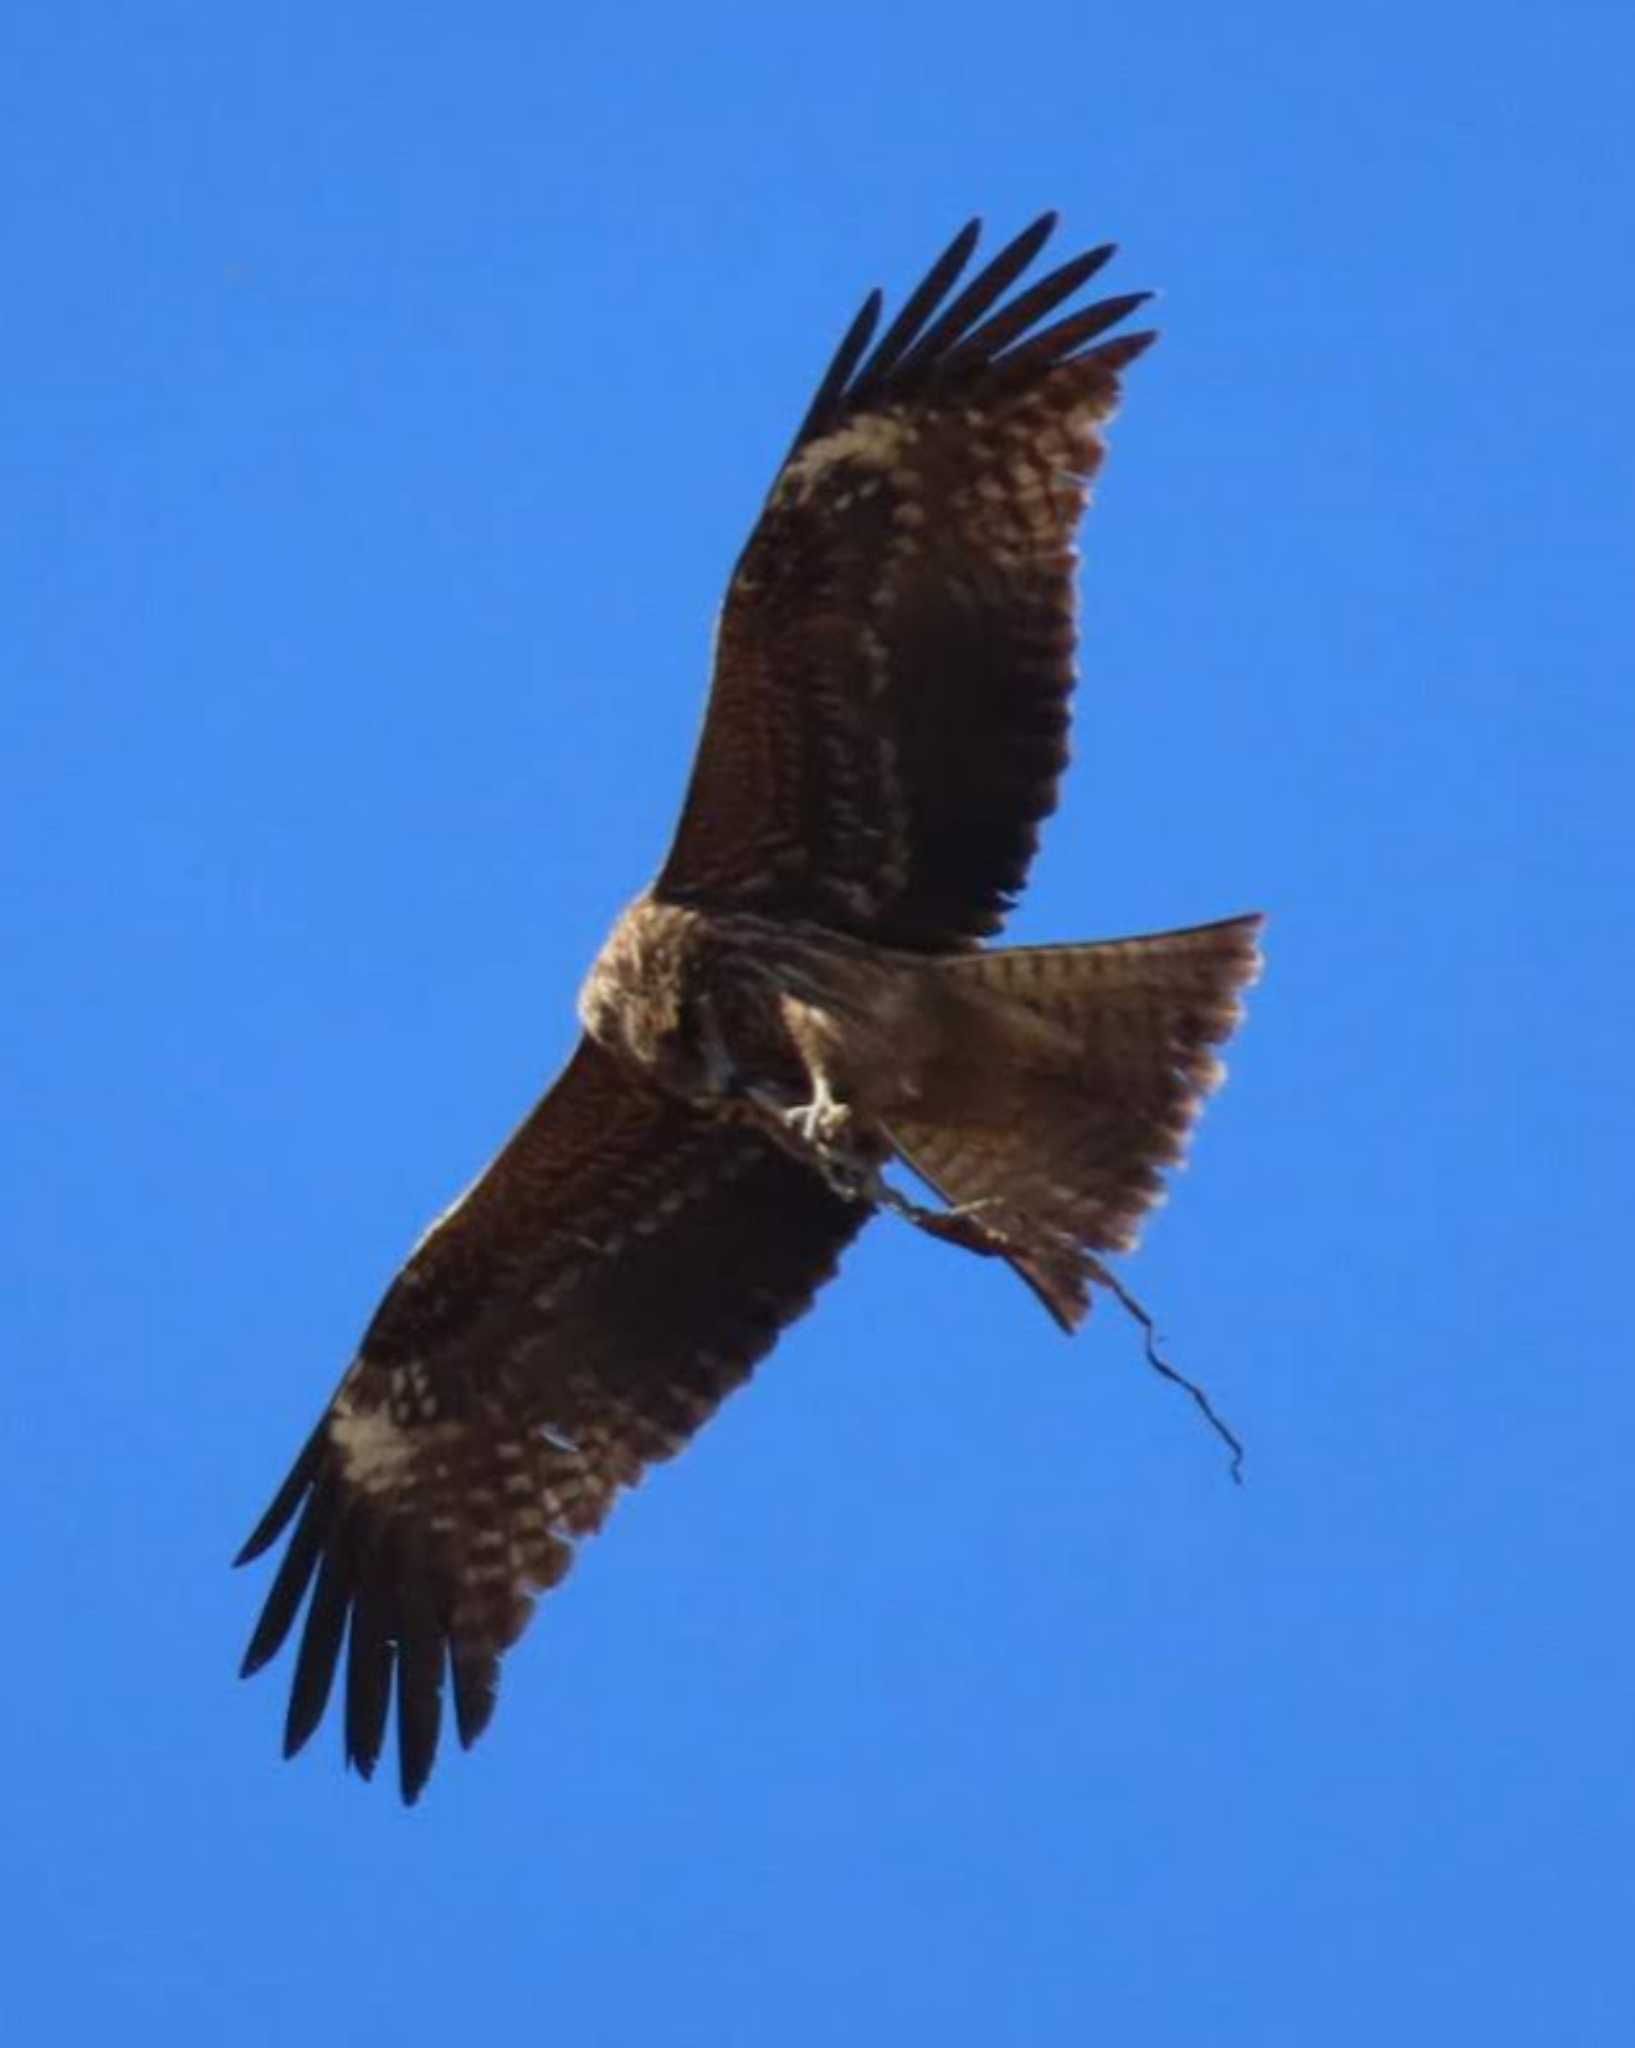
column 385, row 396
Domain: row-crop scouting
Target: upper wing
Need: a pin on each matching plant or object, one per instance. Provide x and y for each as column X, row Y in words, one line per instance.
column 888, row 719
column 579, row 1313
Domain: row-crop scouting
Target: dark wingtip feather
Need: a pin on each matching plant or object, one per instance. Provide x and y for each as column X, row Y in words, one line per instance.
column 1124, row 348
column 294, row 1576
column 476, row 1693
column 989, row 285
column 917, row 308
column 1067, row 338
column 845, row 359
column 1103, row 314
column 369, row 1660
column 320, row 1646
column 924, row 349
column 359, row 1572
column 421, row 1656
column 1027, row 309
column 1032, row 239
column 287, row 1499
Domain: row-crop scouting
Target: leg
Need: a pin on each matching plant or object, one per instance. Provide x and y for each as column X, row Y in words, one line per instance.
column 803, row 1128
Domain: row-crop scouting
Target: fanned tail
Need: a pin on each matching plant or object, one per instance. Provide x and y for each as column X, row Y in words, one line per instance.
column 1078, row 1074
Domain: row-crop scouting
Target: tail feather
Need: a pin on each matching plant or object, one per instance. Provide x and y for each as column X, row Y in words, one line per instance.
column 1095, row 1105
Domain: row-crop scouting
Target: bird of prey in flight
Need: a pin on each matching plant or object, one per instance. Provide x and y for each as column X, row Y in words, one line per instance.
column 802, row 998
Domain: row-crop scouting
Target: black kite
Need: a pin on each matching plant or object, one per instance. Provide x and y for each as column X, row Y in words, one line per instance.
column 799, row 998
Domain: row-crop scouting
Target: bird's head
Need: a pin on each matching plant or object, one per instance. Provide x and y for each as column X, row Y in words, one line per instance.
column 642, row 1002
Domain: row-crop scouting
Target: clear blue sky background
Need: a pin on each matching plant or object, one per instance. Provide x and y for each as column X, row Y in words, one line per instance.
column 384, row 396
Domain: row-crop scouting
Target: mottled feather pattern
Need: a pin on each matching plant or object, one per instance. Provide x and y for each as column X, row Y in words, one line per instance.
column 888, row 723
column 613, row 1275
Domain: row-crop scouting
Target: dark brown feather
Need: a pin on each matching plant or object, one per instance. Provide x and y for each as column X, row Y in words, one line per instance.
column 321, row 1640
column 1030, row 308
column 888, row 718
column 916, row 309
column 620, row 1267
column 988, row 286
column 370, row 1658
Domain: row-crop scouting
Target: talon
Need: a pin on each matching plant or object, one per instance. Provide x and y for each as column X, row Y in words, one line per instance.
column 802, row 1120
column 822, row 1122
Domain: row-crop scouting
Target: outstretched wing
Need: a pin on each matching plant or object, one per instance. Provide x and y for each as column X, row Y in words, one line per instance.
column 888, row 718
column 578, row 1314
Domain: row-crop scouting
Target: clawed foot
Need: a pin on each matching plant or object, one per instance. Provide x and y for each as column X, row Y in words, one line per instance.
column 826, row 1129
column 823, row 1129
column 822, row 1122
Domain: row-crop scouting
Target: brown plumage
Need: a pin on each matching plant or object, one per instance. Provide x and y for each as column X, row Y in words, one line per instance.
column 799, row 999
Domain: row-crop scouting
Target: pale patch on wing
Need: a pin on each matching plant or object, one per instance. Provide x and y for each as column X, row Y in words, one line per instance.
column 375, row 1450
column 873, row 441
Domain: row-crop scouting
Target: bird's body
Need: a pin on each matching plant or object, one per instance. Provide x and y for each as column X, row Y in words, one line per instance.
column 786, row 1022
column 801, row 998
column 848, row 1054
